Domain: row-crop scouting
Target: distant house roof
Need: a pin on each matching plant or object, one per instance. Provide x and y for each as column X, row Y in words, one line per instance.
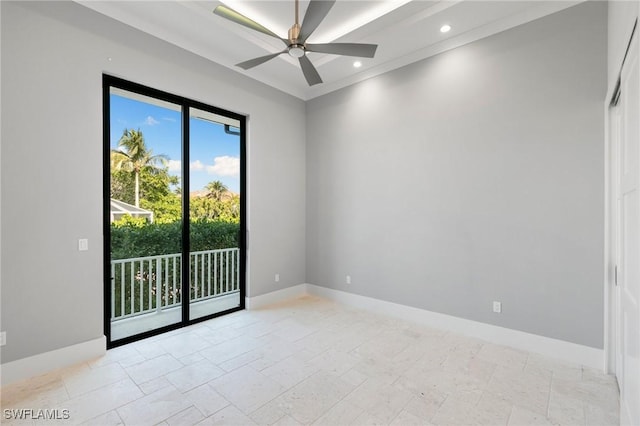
column 120, row 208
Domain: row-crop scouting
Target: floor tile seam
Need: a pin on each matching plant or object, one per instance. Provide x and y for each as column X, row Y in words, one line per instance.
column 109, row 382
column 113, row 410
column 271, row 401
column 146, row 358
column 119, row 416
column 513, row 407
column 254, row 409
column 283, row 385
column 66, row 390
column 493, row 373
column 446, row 398
column 92, row 362
column 319, row 416
column 398, row 415
column 144, row 396
column 319, row 354
column 403, row 406
column 584, row 413
column 348, row 393
column 169, row 384
column 182, row 411
column 548, row 413
column 220, row 409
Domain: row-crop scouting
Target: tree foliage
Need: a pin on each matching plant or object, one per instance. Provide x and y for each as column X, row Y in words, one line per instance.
column 216, row 190
column 134, row 157
column 154, row 185
column 205, row 208
column 135, row 237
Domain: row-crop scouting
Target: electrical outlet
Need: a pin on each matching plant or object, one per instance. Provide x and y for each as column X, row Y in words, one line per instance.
column 497, row 307
column 348, row 279
column 83, row 244
column 277, row 278
column 3, row 338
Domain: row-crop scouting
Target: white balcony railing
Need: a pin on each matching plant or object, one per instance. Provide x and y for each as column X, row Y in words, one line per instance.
column 151, row 284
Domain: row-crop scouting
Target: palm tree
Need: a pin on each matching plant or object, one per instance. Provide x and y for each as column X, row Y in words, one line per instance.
column 134, row 156
column 216, row 190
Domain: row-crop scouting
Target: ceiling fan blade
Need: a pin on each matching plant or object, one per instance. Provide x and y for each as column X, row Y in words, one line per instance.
column 239, row 18
column 309, row 71
column 346, row 49
column 257, row 61
column 316, row 12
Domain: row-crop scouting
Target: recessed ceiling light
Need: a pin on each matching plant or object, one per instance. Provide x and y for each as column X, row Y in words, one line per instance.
column 357, row 64
column 445, row 28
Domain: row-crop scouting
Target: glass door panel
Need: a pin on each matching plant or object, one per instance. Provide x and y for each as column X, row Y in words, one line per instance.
column 146, row 214
column 214, row 208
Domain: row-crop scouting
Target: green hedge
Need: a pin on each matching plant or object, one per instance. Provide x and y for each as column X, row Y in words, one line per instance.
column 134, row 238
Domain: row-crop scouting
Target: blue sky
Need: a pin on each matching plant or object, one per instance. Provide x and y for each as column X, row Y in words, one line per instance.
column 214, row 154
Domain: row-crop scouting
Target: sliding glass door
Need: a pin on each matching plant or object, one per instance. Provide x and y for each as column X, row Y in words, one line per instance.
column 166, row 159
column 214, row 179
column 146, row 238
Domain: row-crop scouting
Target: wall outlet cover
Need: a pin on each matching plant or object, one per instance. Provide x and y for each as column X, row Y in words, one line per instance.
column 83, row 244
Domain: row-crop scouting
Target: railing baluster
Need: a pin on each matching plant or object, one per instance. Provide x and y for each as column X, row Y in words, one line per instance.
column 141, row 280
column 166, row 282
column 173, row 284
column 158, row 284
column 123, row 283
column 202, row 274
column 233, row 269
column 215, row 273
column 149, row 284
column 227, row 271
column 209, row 273
column 195, row 276
column 113, row 290
column 131, row 280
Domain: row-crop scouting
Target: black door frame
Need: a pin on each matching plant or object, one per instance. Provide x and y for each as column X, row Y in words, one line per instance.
column 109, row 81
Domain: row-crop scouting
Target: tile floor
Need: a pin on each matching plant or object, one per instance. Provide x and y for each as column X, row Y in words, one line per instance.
column 311, row 361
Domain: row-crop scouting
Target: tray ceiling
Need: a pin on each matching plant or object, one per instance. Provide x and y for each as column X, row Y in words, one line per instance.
column 406, row 31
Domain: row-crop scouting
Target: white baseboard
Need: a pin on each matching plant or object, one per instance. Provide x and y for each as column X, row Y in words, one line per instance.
column 43, row 363
column 571, row 352
column 257, row 302
column 554, row 348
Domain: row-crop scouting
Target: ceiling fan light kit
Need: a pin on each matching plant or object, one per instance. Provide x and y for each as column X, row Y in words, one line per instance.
column 296, row 51
column 296, row 43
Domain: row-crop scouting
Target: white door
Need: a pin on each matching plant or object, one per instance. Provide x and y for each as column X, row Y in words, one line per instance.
column 628, row 226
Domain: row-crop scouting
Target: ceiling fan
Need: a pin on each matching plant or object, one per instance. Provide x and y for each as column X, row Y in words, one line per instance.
column 296, row 42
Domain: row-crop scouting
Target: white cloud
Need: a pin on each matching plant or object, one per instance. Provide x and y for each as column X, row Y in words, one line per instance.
column 196, row 165
column 225, row 166
column 175, row 165
column 151, row 121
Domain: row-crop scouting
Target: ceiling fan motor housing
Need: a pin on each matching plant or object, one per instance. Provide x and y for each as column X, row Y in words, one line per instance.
column 294, row 33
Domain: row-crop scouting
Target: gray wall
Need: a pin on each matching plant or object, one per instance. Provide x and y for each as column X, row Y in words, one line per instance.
column 469, row 177
column 53, row 57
